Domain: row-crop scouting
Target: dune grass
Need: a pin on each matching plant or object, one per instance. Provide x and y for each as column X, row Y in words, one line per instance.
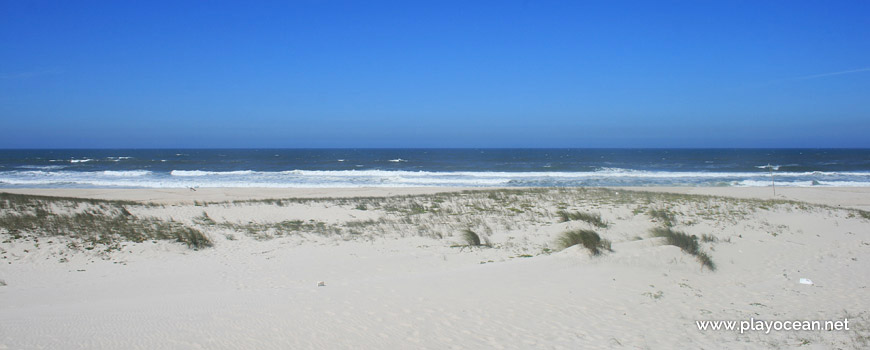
column 592, row 218
column 270, row 230
column 666, row 217
column 587, row 238
column 89, row 221
column 204, row 219
column 688, row 244
column 471, row 238
column 106, row 229
column 709, row 238
column 486, row 211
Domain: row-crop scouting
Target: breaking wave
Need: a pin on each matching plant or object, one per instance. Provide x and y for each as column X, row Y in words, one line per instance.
column 48, row 177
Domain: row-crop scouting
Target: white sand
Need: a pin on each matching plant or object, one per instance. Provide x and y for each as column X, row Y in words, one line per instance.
column 854, row 197
column 851, row 197
column 176, row 195
column 395, row 289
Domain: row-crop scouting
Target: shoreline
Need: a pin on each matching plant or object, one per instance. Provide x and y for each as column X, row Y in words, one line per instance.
column 847, row 197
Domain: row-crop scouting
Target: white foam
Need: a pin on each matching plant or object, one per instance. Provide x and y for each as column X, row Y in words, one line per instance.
column 758, row 183
column 208, row 173
column 394, row 178
column 130, row 173
column 43, row 167
column 845, row 183
column 80, row 160
column 603, row 172
column 767, row 183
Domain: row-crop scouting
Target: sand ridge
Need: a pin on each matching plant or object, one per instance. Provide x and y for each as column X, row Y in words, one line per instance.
column 399, row 274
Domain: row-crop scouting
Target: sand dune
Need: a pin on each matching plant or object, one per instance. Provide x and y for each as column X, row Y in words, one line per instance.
column 398, row 272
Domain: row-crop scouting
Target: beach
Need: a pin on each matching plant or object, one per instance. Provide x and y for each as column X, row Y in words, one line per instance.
column 852, row 197
column 434, row 175
column 394, row 268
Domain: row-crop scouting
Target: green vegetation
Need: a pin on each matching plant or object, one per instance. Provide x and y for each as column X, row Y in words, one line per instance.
column 204, row 219
column 471, row 238
column 666, row 217
column 594, row 219
column 89, row 221
column 417, row 208
column 439, row 216
column 688, row 244
column 25, row 201
column 708, row 238
column 655, row 296
column 587, row 238
column 269, row 230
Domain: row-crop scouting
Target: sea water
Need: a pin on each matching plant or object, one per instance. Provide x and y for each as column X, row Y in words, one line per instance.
column 307, row 168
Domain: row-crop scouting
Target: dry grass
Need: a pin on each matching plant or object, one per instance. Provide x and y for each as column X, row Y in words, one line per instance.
column 688, row 244
column 594, row 219
column 587, row 238
column 89, row 221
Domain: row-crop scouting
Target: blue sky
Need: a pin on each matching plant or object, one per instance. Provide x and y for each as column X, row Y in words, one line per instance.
column 152, row 74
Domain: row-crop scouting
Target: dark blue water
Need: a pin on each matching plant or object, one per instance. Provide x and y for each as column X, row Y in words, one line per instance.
column 432, row 167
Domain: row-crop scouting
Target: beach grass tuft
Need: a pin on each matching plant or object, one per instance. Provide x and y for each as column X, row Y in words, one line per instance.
column 204, row 219
column 706, row 260
column 592, row 218
column 471, row 238
column 666, row 217
column 192, row 237
column 587, row 238
column 688, row 244
column 709, row 238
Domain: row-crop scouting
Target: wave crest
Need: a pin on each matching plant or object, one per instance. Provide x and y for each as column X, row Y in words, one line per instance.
column 401, row 178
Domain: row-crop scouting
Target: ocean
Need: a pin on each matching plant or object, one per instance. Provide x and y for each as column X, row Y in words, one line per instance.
column 308, row 168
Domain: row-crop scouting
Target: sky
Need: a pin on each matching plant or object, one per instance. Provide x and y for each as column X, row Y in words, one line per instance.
column 382, row 74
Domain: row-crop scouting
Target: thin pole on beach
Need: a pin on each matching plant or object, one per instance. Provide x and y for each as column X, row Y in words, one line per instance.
column 772, row 179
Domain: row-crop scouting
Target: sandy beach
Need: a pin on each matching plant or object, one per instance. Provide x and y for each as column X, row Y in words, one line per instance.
column 852, row 197
column 398, row 268
column 434, row 175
